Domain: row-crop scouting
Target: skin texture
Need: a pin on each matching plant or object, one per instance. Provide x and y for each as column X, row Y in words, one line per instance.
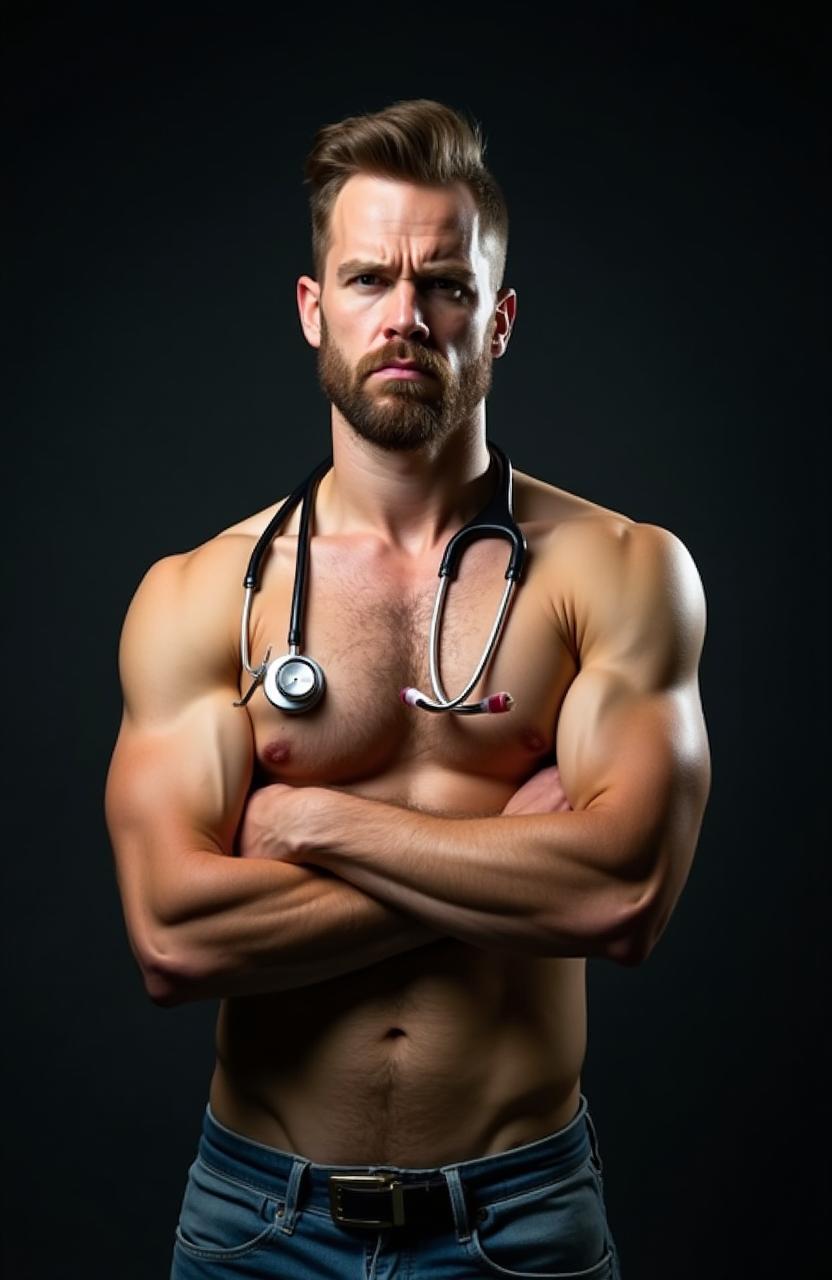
column 395, row 908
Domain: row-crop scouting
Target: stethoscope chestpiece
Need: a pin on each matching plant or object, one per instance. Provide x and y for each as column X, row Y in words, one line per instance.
column 294, row 682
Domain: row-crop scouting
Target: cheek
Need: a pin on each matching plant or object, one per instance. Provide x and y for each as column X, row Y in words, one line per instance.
column 467, row 342
column 459, row 353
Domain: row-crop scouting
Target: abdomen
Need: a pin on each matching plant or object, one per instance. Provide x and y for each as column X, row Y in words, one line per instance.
column 431, row 1056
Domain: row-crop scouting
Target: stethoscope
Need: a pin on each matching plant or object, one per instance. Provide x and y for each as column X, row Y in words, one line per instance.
column 294, row 682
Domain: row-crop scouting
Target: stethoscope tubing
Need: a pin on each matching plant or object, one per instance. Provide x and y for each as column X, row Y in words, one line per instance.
column 443, row 702
column 494, row 520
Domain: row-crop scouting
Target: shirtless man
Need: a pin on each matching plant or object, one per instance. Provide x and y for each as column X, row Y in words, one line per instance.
column 395, row 906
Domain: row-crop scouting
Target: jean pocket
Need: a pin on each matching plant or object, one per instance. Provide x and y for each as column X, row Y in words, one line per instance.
column 223, row 1217
column 553, row 1232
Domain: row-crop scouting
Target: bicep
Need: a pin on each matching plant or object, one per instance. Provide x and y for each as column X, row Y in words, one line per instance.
column 640, row 758
column 172, row 791
column 182, row 765
column 631, row 739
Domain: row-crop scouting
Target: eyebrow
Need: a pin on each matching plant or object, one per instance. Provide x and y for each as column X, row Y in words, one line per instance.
column 441, row 266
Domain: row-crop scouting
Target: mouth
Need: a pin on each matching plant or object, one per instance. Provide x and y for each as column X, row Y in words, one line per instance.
column 399, row 371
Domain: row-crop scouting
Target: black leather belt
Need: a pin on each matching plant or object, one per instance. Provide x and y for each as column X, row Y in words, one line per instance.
column 382, row 1200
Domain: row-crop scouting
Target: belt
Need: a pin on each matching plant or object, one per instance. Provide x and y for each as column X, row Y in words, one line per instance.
column 383, row 1200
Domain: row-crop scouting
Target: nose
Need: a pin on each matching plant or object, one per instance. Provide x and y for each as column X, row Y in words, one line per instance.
column 404, row 318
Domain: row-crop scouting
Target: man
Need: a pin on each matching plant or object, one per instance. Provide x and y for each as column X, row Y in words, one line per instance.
column 399, row 938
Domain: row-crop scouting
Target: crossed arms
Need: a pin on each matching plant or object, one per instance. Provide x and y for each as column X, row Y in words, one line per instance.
column 329, row 882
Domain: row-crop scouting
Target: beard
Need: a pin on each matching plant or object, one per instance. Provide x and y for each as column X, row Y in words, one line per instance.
column 407, row 413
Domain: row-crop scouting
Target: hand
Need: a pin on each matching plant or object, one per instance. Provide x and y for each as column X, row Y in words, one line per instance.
column 542, row 793
column 271, row 822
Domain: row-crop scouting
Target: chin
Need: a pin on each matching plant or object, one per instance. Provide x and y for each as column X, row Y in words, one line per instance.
column 399, row 434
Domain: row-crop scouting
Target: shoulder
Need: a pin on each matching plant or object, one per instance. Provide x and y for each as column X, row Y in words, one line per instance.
column 580, row 534
column 538, row 502
column 252, row 526
column 200, row 591
column 180, row 634
column 633, row 587
column 203, row 578
column 626, row 545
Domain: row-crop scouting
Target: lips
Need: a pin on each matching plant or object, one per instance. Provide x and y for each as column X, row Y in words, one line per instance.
column 404, row 370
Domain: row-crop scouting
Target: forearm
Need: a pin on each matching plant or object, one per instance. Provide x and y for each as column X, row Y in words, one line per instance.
column 538, row 883
column 248, row 926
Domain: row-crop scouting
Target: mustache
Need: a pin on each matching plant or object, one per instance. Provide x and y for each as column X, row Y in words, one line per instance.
column 419, row 359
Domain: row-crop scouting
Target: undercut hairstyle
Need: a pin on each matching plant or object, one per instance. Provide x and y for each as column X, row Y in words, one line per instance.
column 417, row 140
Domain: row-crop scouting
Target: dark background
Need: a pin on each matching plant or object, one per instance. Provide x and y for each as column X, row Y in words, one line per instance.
column 664, row 176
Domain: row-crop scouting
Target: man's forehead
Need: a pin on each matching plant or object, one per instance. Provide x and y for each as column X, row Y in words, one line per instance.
column 371, row 211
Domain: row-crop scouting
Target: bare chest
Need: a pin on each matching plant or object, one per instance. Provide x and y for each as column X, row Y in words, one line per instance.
column 368, row 627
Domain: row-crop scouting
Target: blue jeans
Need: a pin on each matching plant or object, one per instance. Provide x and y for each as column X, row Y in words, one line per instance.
column 536, row 1210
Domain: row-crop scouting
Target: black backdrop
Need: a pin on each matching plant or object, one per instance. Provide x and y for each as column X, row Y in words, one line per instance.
column 664, row 179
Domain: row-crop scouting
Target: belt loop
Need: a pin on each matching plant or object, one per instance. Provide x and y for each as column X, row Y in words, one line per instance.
column 458, row 1205
column 290, row 1211
column 593, row 1139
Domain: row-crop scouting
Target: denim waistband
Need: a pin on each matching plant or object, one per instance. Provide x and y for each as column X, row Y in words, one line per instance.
column 506, row 1173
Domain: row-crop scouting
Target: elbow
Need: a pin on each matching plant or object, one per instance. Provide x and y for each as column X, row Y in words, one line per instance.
column 165, row 977
column 167, row 974
column 642, row 922
column 629, row 952
column 633, row 933
column 161, row 987
column 644, row 902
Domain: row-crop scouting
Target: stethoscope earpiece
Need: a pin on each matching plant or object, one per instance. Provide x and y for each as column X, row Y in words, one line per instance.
column 294, row 682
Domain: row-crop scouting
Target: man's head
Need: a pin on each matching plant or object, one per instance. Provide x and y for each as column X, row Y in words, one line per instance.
column 409, row 235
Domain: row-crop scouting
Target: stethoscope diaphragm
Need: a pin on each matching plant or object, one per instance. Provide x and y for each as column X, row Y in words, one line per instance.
column 294, row 682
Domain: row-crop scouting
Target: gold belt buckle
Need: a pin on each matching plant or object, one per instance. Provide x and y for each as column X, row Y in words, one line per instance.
column 337, row 1181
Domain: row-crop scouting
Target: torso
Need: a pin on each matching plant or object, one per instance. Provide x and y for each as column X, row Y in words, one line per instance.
column 449, row 1051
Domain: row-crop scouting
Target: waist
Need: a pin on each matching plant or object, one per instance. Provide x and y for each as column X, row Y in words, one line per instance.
column 505, row 1173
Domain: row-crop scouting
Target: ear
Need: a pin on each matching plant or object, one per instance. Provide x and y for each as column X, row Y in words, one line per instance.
column 504, row 313
column 309, row 299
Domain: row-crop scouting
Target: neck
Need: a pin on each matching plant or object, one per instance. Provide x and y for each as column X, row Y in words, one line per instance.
column 410, row 499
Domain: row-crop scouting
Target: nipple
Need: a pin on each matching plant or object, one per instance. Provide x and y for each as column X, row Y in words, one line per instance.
column 277, row 752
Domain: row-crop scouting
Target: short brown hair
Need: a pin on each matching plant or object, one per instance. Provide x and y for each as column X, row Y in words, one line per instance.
column 417, row 140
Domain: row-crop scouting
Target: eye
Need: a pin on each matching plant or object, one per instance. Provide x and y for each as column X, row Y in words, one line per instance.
column 449, row 286
column 444, row 284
